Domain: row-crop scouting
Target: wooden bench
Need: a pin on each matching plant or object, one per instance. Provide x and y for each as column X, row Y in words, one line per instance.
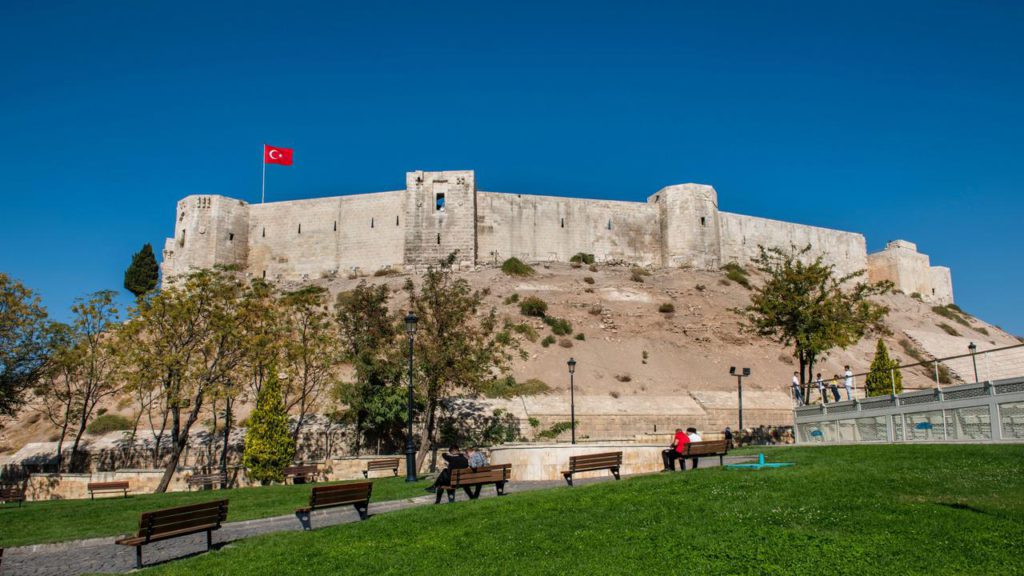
column 588, row 462
column 12, row 495
column 386, row 464
column 117, row 486
column 710, row 448
column 473, row 479
column 301, row 474
column 204, row 480
column 354, row 494
column 175, row 522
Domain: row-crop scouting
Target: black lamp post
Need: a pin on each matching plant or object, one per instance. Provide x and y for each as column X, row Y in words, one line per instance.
column 410, row 449
column 739, row 388
column 974, row 348
column 572, row 399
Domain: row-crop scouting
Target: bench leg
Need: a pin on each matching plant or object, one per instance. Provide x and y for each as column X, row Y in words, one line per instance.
column 395, row 471
column 615, row 472
column 474, row 493
column 451, row 495
column 138, row 556
column 366, row 474
column 362, row 509
column 438, row 499
column 568, row 478
column 209, row 540
column 721, row 460
column 500, row 487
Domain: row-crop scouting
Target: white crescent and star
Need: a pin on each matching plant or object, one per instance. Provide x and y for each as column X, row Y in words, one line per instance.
column 272, row 152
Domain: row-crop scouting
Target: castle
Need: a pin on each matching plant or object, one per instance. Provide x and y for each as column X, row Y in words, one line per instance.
column 441, row 212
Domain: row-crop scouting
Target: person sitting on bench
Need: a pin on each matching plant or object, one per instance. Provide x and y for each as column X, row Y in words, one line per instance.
column 456, row 460
column 675, row 451
column 691, row 433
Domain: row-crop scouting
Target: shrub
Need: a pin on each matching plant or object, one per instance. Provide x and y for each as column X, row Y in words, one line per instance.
column 555, row 430
column 667, row 308
column 516, row 267
column 885, row 376
column 588, row 290
column 737, row 274
column 645, row 356
column 533, row 306
column 613, row 394
column 512, row 299
column 595, row 310
column 623, row 377
column 581, row 336
column 916, row 296
column 956, row 308
column 637, row 274
column 528, row 332
column 948, row 329
column 575, row 265
column 386, row 271
column 947, row 312
column 582, row 258
column 565, row 343
column 508, row 388
column 592, row 268
column 982, row 329
column 700, row 287
column 108, row 423
column 560, row 326
column 548, row 341
column 911, row 351
column 269, row 448
column 588, row 279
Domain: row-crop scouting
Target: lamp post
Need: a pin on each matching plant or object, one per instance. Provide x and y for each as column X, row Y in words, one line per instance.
column 410, row 449
column 974, row 348
column 739, row 388
column 572, row 399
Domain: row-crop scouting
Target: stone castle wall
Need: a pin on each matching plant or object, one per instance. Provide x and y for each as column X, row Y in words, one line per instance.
column 442, row 212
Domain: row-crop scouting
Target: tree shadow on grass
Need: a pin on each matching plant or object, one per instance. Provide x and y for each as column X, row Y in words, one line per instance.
column 962, row 506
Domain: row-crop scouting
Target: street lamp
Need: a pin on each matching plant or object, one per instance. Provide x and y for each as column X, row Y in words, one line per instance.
column 572, row 399
column 410, row 449
column 974, row 348
column 739, row 388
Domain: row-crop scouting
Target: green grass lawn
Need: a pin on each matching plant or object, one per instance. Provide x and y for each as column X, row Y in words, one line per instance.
column 954, row 509
column 58, row 520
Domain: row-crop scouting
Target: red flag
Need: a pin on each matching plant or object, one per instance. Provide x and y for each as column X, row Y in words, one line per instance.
column 275, row 155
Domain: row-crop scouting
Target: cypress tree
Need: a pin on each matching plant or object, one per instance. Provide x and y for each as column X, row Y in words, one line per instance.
column 142, row 274
column 884, row 371
column 268, row 445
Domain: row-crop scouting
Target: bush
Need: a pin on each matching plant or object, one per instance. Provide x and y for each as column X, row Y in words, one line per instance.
column 595, row 310
column 948, row 329
column 737, row 274
column 982, row 329
column 533, row 306
column 623, row 377
column 528, row 332
column 509, row 388
column 588, row 279
column 560, row 326
column 613, row 394
column 667, row 308
column 582, row 258
column 386, row 271
column 917, row 296
column 581, row 336
column 516, row 267
column 592, row 268
column 268, row 443
column 947, row 312
column 555, row 430
column 637, row 274
column 512, row 299
column 108, row 423
column 565, row 343
column 700, row 287
column 548, row 341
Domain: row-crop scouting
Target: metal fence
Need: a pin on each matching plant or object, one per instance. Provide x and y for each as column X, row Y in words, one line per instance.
column 973, row 397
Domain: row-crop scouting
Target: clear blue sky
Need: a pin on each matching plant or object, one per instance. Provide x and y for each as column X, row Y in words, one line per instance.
column 893, row 119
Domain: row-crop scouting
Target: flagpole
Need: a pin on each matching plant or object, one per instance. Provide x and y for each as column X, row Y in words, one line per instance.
column 263, row 190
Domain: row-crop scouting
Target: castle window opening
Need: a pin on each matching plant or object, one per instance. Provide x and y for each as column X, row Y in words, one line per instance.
column 439, row 201
column 264, row 232
column 396, row 220
column 264, row 273
column 335, row 225
column 702, row 221
column 439, row 238
column 563, row 222
column 371, row 222
column 609, row 223
column 231, row 236
column 300, row 228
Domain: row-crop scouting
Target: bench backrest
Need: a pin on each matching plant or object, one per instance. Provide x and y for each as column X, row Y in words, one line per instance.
column 338, row 494
column 116, row 485
column 183, row 518
column 12, row 494
column 481, row 475
column 386, row 464
column 595, row 461
column 300, row 470
column 710, row 447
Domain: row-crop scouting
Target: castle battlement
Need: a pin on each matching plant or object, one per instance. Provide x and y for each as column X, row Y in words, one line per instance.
column 440, row 212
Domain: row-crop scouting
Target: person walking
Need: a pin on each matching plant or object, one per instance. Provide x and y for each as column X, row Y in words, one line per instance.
column 821, row 388
column 848, row 383
column 798, row 396
column 675, row 451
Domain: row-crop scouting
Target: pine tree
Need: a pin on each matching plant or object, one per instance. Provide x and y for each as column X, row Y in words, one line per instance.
column 142, row 274
column 268, row 445
column 884, row 371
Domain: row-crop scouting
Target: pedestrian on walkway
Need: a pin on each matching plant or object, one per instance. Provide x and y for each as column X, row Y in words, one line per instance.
column 834, row 385
column 821, row 388
column 848, row 383
column 798, row 396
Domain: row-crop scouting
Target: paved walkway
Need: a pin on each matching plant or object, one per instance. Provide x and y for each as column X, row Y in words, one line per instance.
column 102, row 555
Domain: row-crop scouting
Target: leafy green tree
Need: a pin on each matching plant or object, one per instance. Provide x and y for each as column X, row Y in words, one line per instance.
column 885, row 375
column 803, row 303
column 310, row 351
column 142, row 274
column 23, row 343
column 269, row 448
column 458, row 348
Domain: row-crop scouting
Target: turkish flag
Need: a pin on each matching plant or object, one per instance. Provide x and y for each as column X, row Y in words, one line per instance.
column 275, row 155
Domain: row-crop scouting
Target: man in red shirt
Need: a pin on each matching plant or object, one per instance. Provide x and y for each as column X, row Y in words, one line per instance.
column 675, row 451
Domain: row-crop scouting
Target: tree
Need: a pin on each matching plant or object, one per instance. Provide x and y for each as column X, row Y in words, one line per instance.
column 142, row 274
column 23, row 349
column 885, row 376
column 456, row 350
column 269, row 448
column 56, row 389
column 375, row 401
column 804, row 304
column 311, row 347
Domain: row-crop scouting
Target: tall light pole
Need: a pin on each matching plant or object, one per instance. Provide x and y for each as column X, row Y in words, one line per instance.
column 974, row 348
column 739, row 388
column 572, row 399
column 410, row 449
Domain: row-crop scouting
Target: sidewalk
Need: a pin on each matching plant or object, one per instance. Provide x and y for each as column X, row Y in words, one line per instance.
column 102, row 555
